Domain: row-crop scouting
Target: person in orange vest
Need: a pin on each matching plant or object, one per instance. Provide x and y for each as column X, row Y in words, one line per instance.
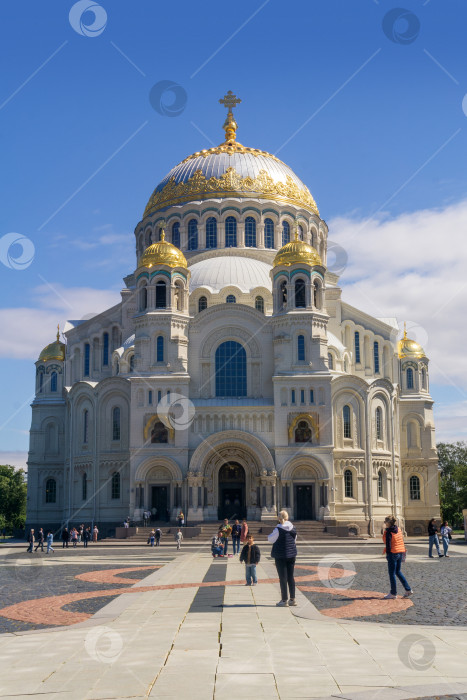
column 394, row 548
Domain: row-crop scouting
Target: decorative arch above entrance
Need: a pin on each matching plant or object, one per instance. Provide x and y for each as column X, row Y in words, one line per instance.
column 305, row 488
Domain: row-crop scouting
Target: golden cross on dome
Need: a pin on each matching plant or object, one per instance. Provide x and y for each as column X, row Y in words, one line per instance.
column 230, row 126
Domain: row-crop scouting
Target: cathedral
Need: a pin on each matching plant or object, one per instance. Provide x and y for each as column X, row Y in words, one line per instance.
column 232, row 379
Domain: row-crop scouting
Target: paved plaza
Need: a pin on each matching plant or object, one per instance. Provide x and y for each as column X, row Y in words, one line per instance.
column 137, row 622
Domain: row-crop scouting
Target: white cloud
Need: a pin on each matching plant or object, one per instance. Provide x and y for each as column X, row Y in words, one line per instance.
column 14, row 459
column 413, row 267
column 25, row 331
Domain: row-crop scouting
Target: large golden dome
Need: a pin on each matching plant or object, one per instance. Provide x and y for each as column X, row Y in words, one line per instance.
column 162, row 253
column 54, row 351
column 230, row 170
column 297, row 251
column 409, row 348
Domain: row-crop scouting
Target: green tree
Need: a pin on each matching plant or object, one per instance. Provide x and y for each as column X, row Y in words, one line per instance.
column 453, row 480
column 12, row 496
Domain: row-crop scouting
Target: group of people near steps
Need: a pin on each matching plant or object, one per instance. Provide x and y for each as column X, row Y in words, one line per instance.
column 284, row 552
column 73, row 536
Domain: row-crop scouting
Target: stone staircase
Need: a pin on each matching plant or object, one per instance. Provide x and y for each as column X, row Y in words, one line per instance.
column 307, row 530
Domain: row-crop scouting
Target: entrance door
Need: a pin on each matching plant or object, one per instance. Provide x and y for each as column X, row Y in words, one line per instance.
column 231, row 491
column 159, row 501
column 304, row 502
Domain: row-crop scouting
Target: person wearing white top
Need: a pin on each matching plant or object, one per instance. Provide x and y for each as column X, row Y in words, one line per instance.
column 445, row 533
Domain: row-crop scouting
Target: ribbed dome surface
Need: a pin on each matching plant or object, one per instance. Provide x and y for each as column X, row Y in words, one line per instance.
column 217, row 273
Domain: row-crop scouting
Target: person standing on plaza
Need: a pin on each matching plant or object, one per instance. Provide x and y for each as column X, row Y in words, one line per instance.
column 152, row 538
column 95, row 532
column 158, row 536
column 445, row 532
column 86, row 536
column 181, row 519
column 65, row 537
column 394, row 548
column 50, row 541
column 226, row 532
column 30, row 540
column 244, row 531
column 236, row 534
column 179, row 538
column 250, row 556
column 433, row 538
column 284, row 551
column 80, row 532
column 40, row 540
column 74, row 537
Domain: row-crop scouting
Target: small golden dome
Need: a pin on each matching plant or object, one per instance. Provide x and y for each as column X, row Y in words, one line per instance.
column 54, row 351
column 409, row 348
column 162, row 253
column 297, row 251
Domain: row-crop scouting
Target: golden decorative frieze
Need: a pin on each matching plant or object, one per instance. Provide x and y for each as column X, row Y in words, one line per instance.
column 230, row 184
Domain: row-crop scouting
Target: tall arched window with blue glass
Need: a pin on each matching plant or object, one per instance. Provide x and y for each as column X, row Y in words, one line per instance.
column 250, row 232
column 268, row 233
column 192, row 234
column 231, row 378
column 230, row 232
column 176, row 234
column 285, row 232
column 211, row 232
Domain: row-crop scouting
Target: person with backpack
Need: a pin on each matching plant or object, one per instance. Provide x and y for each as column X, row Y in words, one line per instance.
column 284, row 552
column 394, row 548
column 158, row 536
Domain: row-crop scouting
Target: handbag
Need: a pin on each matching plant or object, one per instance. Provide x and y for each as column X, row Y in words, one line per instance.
column 449, row 536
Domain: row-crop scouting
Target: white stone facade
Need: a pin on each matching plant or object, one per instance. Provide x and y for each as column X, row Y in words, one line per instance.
column 365, row 428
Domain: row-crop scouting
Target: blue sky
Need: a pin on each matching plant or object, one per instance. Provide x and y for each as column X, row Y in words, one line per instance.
column 371, row 120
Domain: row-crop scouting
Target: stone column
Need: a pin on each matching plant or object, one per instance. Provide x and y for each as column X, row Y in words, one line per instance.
column 277, row 236
column 201, row 236
column 260, row 235
column 240, row 235
column 220, row 235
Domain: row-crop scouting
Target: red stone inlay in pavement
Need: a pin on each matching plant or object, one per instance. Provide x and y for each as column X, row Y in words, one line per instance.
column 112, row 575
column 49, row 611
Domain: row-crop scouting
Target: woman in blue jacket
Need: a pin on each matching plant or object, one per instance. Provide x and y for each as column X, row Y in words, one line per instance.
column 284, row 552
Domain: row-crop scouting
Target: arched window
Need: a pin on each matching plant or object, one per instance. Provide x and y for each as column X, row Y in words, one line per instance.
column 409, row 376
column 380, row 484
column 285, row 232
column 423, row 378
column 259, row 304
column 283, row 294
column 346, row 419
column 117, row 367
column 53, row 381
column 379, row 424
column 301, row 348
column 41, row 382
column 414, row 488
column 192, row 234
column 348, row 483
column 115, row 490
column 346, row 366
column 330, row 361
column 303, row 432
column 231, row 299
column 85, row 425
column 84, row 487
column 87, row 359
column 143, row 298
column 161, row 295
column 211, row 233
column 316, row 299
column 160, row 348
column 159, row 433
column 357, row 347
column 105, row 350
column 268, row 233
column 250, row 232
column 202, row 303
column 301, row 234
column 50, row 491
column 132, row 363
column 116, row 423
column 176, row 234
column 300, row 301
column 178, row 296
column 230, row 232
column 376, row 356
column 231, row 369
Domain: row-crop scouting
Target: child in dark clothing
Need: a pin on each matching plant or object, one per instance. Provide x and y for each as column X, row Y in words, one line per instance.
column 250, row 555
